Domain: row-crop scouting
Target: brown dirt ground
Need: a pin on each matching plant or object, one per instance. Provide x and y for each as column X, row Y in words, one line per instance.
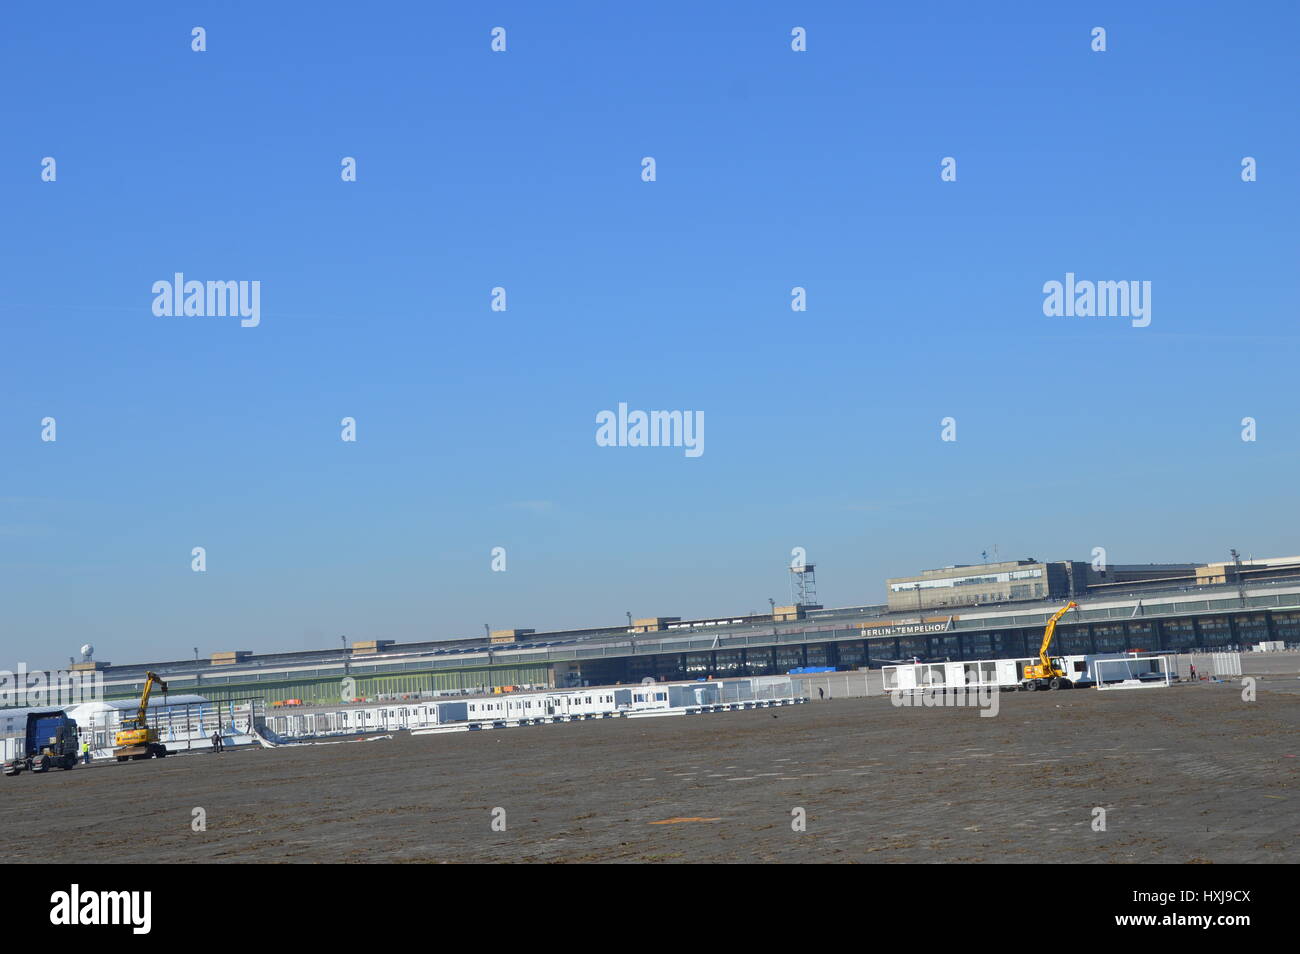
column 1186, row 774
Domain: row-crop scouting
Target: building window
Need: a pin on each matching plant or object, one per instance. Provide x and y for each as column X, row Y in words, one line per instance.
column 1178, row 634
column 1215, row 631
column 1253, row 628
column 1286, row 627
column 1074, row 639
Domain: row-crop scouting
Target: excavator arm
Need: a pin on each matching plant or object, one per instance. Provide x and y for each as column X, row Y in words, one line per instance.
column 151, row 679
column 1050, row 632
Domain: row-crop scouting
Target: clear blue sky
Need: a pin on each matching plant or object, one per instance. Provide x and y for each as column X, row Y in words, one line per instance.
column 522, row 169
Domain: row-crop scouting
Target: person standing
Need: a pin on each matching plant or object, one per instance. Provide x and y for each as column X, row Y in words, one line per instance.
column 85, row 752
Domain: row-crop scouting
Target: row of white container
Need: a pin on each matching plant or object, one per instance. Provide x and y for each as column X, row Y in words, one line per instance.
column 1007, row 673
column 516, row 707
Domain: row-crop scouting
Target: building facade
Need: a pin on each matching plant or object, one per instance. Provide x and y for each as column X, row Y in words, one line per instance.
column 983, row 584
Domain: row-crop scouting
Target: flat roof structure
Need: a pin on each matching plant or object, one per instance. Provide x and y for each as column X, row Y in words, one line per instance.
column 1188, row 617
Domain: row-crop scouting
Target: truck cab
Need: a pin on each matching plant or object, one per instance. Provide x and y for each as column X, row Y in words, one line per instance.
column 50, row 742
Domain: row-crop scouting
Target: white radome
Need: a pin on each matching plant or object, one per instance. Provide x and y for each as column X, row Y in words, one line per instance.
column 88, row 650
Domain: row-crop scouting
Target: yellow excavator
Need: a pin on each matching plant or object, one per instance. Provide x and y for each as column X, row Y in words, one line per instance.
column 1047, row 673
column 136, row 739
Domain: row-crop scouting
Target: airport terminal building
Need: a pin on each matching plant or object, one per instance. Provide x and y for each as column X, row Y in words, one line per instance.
column 1020, row 580
column 1152, row 618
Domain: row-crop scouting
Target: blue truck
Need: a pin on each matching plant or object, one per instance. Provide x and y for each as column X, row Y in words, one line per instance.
column 50, row 742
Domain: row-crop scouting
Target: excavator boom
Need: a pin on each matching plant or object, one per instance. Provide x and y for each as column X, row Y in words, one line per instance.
column 151, row 679
column 1050, row 632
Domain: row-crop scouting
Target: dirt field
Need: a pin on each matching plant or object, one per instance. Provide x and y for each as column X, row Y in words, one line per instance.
column 1186, row 774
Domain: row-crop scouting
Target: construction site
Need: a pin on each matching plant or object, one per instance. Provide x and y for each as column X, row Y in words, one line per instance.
column 914, row 762
column 1175, row 756
column 1119, row 610
column 1188, row 774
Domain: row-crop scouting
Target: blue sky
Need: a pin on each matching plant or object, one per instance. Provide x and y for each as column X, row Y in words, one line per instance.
column 522, row 169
